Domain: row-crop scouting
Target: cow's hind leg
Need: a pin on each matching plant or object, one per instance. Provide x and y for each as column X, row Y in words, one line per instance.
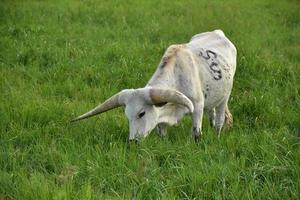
column 212, row 117
column 197, row 120
column 220, row 116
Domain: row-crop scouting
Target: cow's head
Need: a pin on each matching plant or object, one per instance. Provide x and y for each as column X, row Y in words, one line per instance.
column 140, row 107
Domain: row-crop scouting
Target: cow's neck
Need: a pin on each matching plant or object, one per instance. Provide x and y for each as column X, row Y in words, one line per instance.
column 164, row 78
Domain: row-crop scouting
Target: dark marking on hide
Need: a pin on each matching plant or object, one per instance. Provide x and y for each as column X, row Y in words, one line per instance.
column 206, row 91
column 214, row 67
column 213, row 64
column 218, row 77
column 208, row 52
column 163, row 64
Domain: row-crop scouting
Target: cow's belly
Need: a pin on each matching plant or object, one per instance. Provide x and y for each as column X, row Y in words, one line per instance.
column 215, row 93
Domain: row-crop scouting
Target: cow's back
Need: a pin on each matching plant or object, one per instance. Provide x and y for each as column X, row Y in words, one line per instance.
column 217, row 42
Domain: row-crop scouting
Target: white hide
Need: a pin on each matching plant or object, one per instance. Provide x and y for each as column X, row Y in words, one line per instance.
column 201, row 71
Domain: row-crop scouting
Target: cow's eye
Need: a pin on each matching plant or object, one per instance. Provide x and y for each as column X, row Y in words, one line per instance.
column 141, row 114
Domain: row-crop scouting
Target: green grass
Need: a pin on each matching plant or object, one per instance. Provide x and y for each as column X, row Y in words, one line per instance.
column 61, row 58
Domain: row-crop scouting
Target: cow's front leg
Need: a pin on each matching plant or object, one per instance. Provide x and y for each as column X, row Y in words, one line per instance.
column 212, row 117
column 197, row 120
column 161, row 129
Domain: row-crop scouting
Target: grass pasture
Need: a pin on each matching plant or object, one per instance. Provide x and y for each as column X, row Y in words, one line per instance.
column 61, row 58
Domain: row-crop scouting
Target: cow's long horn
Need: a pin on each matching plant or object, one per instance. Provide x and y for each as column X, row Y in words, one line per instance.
column 112, row 102
column 168, row 95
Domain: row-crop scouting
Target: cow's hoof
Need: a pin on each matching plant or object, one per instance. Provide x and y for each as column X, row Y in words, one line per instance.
column 197, row 138
column 133, row 142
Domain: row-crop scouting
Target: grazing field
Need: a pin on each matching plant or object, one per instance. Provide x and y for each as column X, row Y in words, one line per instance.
column 60, row 58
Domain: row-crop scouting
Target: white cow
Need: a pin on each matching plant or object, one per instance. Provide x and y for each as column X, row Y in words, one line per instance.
column 191, row 78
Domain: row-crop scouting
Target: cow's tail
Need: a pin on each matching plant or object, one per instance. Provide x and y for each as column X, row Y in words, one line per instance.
column 228, row 118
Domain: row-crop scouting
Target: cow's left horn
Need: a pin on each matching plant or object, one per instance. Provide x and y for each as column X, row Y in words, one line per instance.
column 158, row 95
column 112, row 102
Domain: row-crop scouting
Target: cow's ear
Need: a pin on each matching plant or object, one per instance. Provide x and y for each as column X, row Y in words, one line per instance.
column 160, row 104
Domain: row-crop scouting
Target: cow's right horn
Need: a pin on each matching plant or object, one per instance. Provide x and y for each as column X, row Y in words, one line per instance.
column 158, row 95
